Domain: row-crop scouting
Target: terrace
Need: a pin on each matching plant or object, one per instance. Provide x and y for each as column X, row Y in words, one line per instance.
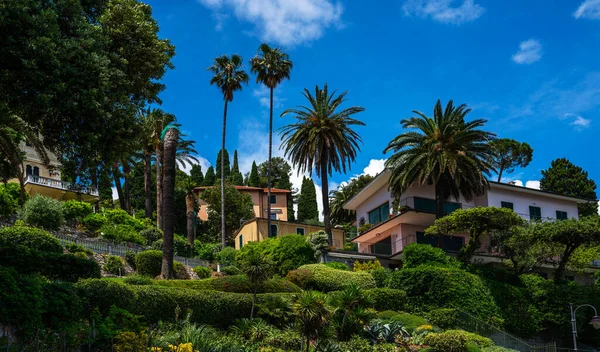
column 59, row 189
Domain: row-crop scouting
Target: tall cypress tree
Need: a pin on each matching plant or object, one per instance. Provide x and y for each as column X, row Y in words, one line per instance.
column 210, row 178
column 236, row 178
column 196, row 175
column 254, row 178
column 307, row 201
column 227, row 165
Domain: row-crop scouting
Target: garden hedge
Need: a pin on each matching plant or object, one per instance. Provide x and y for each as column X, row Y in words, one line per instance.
column 387, row 299
column 323, row 278
column 149, row 263
column 237, row 284
column 456, row 341
column 32, row 238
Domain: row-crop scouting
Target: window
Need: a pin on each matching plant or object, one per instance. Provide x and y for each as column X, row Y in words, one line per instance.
column 241, row 241
column 273, row 230
column 273, row 199
column 28, row 170
column 453, row 243
column 535, row 213
column 273, row 215
column 428, row 205
column 379, row 214
column 299, row 231
column 36, row 171
column 508, row 205
column 561, row 215
column 449, row 207
column 421, row 238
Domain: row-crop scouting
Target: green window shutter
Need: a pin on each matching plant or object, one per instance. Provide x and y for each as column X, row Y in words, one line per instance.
column 241, row 241
column 374, row 217
column 384, row 211
column 561, row 215
column 508, row 205
column 535, row 213
column 431, row 240
column 425, row 205
column 273, row 230
column 450, row 207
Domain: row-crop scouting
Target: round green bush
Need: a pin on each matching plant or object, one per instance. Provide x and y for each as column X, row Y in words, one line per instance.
column 231, row 270
column 102, row 293
column 130, row 258
column 338, row 265
column 32, row 238
column 203, row 272
column 138, row 280
column 76, row 248
column 409, row 321
column 149, row 263
column 498, row 349
column 416, row 254
column 9, row 199
column 121, row 217
column 206, row 251
column 151, row 234
column 94, row 222
column 456, row 341
column 387, row 299
column 326, row 279
column 114, row 265
column 445, row 318
column 41, row 211
column 76, row 210
column 381, row 276
column 226, row 256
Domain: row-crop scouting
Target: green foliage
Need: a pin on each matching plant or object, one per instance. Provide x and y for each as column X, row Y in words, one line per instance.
column 498, row 349
column 21, row 299
column 130, row 259
column 342, row 195
column 203, row 272
column 76, row 248
column 121, row 217
column 119, row 233
column 326, row 279
column 210, row 177
column 351, row 311
column 32, row 238
column 338, row 266
column 563, row 177
column 151, row 234
column 102, row 294
column 409, row 321
column 9, row 199
column 41, row 211
column 456, row 341
column 416, row 254
column 180, row 271
column 235, row 283
column 114, row 265
column 508, row 154
column 320, row 243
column 445, row 318
column 430, row 287
column 94, row 222
column 206, row 251
column 137, row 279
column 181, row 246
column 226, row 256
column 76, row 210
column 358, row 344
column 367, row 266
column 307, row 201
column 381, row 276
column 227, row 169
column 130, row 342
column 149, row 263
column 197, row 175
column 231, row 270
column 387, row 298
column 253, row 179
column 238, row 206
column 61, row 306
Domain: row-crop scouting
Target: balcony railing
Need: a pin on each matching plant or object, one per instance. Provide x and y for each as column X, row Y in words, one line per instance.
column 66, row 186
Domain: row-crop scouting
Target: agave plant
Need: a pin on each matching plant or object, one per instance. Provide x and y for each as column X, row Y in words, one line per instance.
column 385, row 333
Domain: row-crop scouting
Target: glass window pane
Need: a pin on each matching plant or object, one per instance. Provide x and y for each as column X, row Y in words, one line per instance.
column 535, row 213
column 273, row 230
column 508, row 205
column 273, row 199
column 299, row 231
column 424, row 204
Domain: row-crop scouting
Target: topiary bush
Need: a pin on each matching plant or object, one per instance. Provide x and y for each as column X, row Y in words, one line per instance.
column 231, row 270
column 203, row 272
column 102, row 294
column 301, row 277
column 137, row 279
column 149, row 263
column 409, row 321
column 121, row 233
column 41, row 211
column 32, row 238
column 416, row 254
column 432, row 287
column 338, row 266
column 387, row 299
column 94, row 222
column 226, row 256
column 114, row 265
column 9, row 199
column 237, row 284
column 75, row 210
column 445, row 318
column 456, row 341
column 151, row 235
column 326, row 279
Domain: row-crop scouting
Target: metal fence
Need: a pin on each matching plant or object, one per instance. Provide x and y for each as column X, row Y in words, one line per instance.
column 473, row 324
column 103, row 247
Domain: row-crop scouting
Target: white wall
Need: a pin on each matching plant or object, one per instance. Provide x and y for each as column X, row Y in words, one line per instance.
column 521, row 202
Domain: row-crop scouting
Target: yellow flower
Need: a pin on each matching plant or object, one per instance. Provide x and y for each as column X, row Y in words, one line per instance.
column 425, row 328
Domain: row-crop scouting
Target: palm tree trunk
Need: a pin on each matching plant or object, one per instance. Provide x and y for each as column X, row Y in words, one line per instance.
column 159, row 179
column 439, row 201
column 127, row 173
column 223, row 233
column 147, row 184
column 269, row 164
column 307, row 343
column 325, row 194
column 189, row 213
column 117, row 179
column 170, row 149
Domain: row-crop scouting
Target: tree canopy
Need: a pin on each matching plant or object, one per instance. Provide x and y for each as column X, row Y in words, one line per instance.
column 307, row 201
column 508, row 154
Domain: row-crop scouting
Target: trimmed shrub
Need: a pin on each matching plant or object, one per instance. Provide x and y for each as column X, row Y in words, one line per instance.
column 416, row 254
column 76, row 248
column 300, row 277
column 237, row 284
column 94, row 222
column 456, row 340
column 231, row 270
column 114, row 265
column 326, row 279
column 181, row 247
column 409, row 321
column 121, row 233
column 180, row 271
column 138, row 280
column 121, row 217
column 498, row 349
column 337, row 265
column 367, row 266
column 21, row 298
column 151, row 235
column 203, row 272
column 76, row 210
column 9, row 199
column 130, row 258
column 387, row 299
column 61, row 306
column 41, row 211
column 382, row 276
column 445, row 318
column 149, row 263
column 206, row 251
column 102, row 294
column 226, row 256
column 32, row 238
column 432, row 287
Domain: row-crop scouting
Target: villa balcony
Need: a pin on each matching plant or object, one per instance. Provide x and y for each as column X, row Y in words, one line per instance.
column 59, row 189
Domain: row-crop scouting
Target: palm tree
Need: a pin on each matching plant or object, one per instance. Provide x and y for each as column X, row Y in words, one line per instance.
column 170, row 140
column 312, row 313
column 271, row 67
column 228, row 76
column 257, row 268
column 322, row 139
column 444, row 151
column 339, row 197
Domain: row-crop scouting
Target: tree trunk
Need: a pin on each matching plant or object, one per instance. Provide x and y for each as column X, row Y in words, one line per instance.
column 22, row 193
column 307, row 343
column 325, row 189
column 559, row 274
column 117, row 179
column 269, row 234
column 170, row 149
column 253, row 301
column 500, row 171
column 158, row 187
column 439, row 201
column 127, row 193
column 147, row 184
column 189, row 213
column 223, row 230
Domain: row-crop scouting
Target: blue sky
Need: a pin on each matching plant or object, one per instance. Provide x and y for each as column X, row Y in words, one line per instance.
column 530, row 67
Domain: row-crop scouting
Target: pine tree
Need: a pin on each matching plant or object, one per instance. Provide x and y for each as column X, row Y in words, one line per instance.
column 307, row 201
column 236, row 178
column 210, row 178
column 196, row 175
column 254, row 178
column 227, row 165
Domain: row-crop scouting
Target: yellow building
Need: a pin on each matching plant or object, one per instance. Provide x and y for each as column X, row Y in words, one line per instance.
column 255, row 230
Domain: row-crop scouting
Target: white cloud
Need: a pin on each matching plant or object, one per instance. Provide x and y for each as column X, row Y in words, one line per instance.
column 203, row 162
column 262, row 94
column 532, row 184
column 530, row 51
column 442, row 10
column 115, row 195
column 589, row 9
column 283, row 22
column 580, row 123
column 375, row 167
